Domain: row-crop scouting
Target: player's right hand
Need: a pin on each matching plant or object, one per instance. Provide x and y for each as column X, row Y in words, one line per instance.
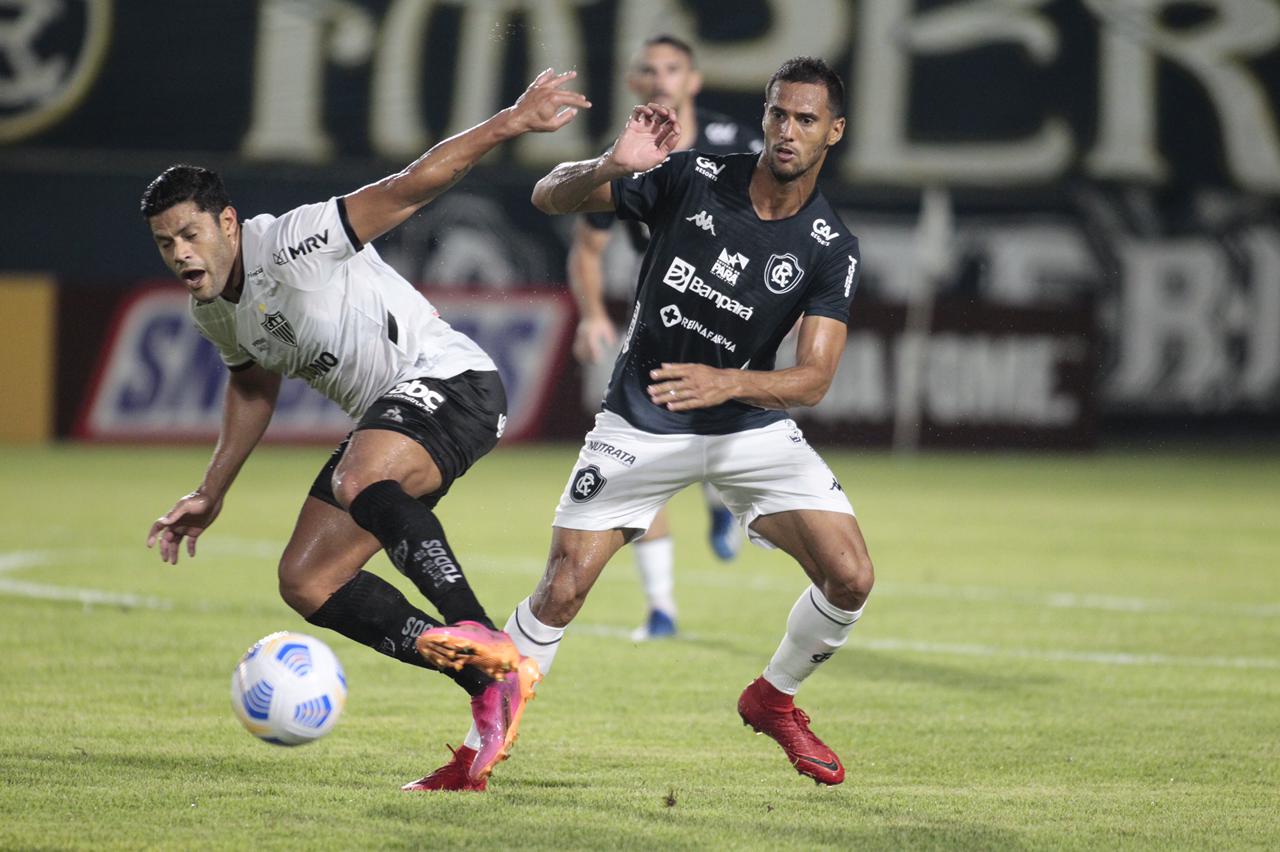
column 189, row 517
column 594, row 339
column 545, row 107
column 651, row 134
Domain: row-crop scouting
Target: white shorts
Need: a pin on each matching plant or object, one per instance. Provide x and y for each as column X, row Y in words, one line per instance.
column 624, row 475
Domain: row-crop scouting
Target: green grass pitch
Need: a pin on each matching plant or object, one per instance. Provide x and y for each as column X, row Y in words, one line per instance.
column 1061, row 652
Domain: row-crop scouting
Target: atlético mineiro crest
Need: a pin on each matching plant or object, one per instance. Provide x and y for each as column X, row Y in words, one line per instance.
column 587, row 483
column 278, row 327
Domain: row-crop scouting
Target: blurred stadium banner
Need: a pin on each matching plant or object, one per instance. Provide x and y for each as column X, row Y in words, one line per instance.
column 993, row 375
column 156, row 379
column 28, row 343
column 1118, row 158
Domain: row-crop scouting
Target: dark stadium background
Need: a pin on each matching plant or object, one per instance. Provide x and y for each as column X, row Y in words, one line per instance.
column 1077, row 199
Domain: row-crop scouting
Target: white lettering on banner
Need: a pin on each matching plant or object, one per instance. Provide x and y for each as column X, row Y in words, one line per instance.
column 298, row 41
column 1215, row 54
column 1194, row 322
column 970, row 379
column 1179, row 296
column 161, row 381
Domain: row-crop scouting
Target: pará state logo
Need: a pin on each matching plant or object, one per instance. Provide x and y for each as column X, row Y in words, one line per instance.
column 782, row 273
column 586, row 484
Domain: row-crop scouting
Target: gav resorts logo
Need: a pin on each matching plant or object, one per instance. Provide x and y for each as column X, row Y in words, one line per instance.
column 708, row 167
column 50, row 56
column 822, row 232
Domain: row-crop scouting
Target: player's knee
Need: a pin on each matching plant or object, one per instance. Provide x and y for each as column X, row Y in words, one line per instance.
column 347, row 485
column 298, row 589
column 849, row 586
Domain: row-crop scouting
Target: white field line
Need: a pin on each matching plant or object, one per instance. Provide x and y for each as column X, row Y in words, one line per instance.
column 1105, row 658
column 24, row 559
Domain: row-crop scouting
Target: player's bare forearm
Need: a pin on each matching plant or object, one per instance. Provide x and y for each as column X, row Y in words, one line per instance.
column 581, row 187
column 685, row 387
column 246, row 412
column 543, row 108
column 586, row 268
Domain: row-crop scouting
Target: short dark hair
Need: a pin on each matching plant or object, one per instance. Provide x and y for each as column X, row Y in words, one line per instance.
column 809, row 69
column 180, row 183
column 670, row 41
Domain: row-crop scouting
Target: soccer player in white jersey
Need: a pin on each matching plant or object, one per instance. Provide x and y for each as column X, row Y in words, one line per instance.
column 743, row 246
column 306, row 295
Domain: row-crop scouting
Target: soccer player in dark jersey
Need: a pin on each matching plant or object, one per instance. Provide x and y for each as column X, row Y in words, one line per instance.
column 743, row 246
column 304, row 294
column 663, row 71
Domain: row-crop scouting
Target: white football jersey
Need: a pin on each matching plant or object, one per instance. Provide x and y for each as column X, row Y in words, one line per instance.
column 316, row 308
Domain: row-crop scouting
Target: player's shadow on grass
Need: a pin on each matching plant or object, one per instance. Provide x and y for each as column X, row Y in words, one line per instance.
column 861, row 664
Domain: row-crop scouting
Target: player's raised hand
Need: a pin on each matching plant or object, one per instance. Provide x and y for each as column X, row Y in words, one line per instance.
column 545, row 106
column 189, row 517
column 650, row 135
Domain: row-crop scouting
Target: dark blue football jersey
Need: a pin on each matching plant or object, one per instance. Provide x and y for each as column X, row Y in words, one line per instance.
column 719, row 285
column 717, row 134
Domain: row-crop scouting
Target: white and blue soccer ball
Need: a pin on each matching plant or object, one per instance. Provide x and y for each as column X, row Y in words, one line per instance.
column 288, row 689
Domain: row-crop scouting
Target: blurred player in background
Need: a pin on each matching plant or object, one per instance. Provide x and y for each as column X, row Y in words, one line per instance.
column 306, row 295
column 743, row 246
column 663, row 71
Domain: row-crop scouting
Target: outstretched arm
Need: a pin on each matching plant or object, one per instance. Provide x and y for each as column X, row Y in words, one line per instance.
column 683, row 387
column 651, row 133
column 544, row 107
column 246, row 411
column 595, row 332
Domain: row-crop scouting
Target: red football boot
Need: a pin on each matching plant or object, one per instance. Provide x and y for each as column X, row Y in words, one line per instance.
column 497, row 712
column 768, row 711
column 451, row 776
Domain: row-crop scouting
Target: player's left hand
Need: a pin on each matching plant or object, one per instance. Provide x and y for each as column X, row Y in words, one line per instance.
column 683, row 387
column 545, row 107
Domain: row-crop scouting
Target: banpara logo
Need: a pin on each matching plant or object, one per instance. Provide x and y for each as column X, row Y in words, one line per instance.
column 50, row 55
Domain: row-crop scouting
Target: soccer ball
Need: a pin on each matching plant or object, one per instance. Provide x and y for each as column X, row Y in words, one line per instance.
column 288, row 689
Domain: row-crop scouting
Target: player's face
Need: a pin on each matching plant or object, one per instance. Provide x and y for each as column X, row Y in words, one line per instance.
column 199, row 247
column 798, row 129
column 665, row 75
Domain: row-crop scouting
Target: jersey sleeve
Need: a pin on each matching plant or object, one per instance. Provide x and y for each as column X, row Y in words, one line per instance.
column 837, row 279
column 307, row 244
column 645, row 196
column 599, row 221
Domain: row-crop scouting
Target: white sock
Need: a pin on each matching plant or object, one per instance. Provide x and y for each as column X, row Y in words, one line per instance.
column 655, row 563
column 815, row 630
column 533, row 639
column 712, row 497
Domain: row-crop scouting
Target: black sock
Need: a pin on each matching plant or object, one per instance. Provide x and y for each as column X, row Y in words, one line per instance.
column 371, row 611
column 415, row 542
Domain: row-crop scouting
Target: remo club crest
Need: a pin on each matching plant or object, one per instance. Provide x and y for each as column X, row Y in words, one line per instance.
column 586, row 484
column 782, row 273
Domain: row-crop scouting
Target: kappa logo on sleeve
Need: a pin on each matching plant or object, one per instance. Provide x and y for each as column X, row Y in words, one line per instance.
column 587, row 483
column 848, row 276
